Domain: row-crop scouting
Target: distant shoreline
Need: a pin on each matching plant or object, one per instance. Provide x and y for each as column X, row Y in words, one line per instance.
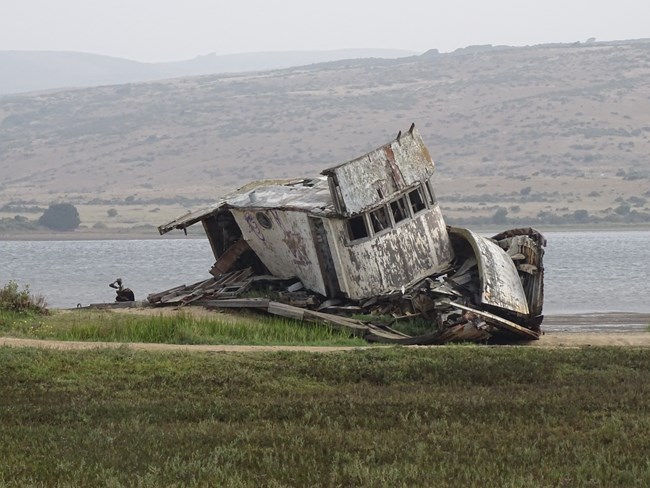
column 121, row 235
column 97, row 236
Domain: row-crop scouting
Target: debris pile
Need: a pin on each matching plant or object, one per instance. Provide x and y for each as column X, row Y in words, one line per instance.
column 227, row 285
column 449, row 301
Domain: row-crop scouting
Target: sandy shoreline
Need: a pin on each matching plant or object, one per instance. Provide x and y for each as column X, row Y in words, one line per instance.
column 610, row 322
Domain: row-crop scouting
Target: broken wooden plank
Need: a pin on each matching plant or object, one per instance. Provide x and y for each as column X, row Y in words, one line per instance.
column 497, row 321
column 235, row 282
column 155, row 297
column 229, row 257
column 261, row 303
column 172, row 293
column 335, row 320
column 229, row 291
column 177, row 299
column 284, row 310
column 206, row 284
column 385, row 337
column 233, row 276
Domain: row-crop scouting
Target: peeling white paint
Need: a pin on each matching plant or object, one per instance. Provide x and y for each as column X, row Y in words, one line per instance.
column 500, row 283
column 409, row 252
column 381, row 174
column 287, row 248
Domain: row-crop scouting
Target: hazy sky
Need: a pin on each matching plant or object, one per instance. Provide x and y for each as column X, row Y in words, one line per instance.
column 165, row 30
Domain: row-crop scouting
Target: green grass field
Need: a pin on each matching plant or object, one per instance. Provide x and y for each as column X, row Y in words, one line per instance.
column 180, row 328
column 446, row 417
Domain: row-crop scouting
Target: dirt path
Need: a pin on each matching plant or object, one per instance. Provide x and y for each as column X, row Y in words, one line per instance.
column 141, row 346
column 552, row 340
column 583, row 339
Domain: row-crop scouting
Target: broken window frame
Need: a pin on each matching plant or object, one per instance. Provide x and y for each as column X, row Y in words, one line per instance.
column 420, row 205
column 400, row 206
column 403, row 205
column 353, row 227
column 380, row 224
column 430, row 195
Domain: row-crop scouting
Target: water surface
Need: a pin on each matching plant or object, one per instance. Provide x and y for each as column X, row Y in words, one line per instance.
column 585, row 271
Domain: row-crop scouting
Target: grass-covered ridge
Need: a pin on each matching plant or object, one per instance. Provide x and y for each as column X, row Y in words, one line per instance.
column 445, row 417
column 180, row 328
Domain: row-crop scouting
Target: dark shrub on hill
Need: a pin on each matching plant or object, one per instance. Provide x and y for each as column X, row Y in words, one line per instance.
column 60, row 216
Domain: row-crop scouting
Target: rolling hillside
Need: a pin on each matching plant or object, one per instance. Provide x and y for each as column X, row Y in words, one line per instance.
column 542, row 131
column 27, row 71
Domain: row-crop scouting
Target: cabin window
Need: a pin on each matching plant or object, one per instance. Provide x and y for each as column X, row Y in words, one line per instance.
column 357, row 228
column 380, row 220
column 399, row 209
column 264, row 220
column 429, row 191
column 417, row 201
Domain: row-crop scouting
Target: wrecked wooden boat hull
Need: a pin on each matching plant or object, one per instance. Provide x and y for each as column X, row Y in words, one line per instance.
column 368, row 237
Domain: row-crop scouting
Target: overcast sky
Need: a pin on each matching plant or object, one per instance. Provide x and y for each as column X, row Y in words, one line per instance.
column 165, row 30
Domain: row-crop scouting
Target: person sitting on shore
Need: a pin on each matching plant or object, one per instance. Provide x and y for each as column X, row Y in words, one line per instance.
column 122, row 294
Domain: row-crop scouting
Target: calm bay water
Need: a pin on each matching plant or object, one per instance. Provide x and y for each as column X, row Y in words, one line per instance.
column 585, row 271
column 72, row 272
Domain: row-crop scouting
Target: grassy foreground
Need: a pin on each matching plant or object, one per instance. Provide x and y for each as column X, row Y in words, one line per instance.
column 445, row 417
column 180, row 328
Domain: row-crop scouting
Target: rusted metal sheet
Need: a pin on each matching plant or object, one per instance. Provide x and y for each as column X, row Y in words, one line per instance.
column 499, row 280
column 379, row 175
